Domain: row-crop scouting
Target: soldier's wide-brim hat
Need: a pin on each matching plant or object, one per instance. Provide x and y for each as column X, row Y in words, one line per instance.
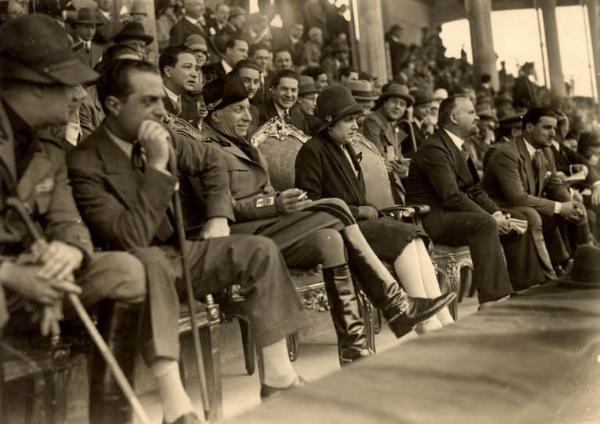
column 85, row 15
column 585, row 273
column 334, row 103
column 35, row 48
column 223, row 92
column 133, row 31
column 396, row 90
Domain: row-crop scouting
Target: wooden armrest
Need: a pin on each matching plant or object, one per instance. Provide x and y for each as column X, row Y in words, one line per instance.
column 405, row 211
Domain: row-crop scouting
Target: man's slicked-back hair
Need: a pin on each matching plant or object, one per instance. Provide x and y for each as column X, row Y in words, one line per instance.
column 447, row 107
column 284, row 73
column 170, row 56
column 246, row 63
column 534, row 115
column 230, row 44
column 115, row 80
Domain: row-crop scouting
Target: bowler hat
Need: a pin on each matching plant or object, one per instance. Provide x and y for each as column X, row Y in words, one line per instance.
column 223, row 92
column 395, row 90
column 306, row 86
column 85, row 15
column 133, row 31
column 196, row 42
column 333, row 104
column 585, row 273
column 35, row 48
column 361, row 90
column 421, row 97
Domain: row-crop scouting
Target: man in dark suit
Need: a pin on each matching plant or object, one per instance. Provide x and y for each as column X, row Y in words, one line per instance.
column 442, row 177
column 84, row 29
column 235, row 50
column 110, row 25
column 249, row 72
column 190, row 23
column 177, row 66
column 124, row 184
column 523, row 174
column 284, row 96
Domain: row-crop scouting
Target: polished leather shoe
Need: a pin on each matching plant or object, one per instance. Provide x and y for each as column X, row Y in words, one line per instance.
column 268, row 391
column 349, row 356
column 417, row 309
column 189, row 418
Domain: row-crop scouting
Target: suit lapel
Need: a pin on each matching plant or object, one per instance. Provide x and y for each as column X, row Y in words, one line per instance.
column 461, row 166
column 527, row 165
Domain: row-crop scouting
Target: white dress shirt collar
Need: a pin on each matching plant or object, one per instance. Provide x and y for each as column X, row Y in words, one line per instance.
column 122, row 144
column 530, row 149
column 226, row 66
column 172, row 96
column 455, row 139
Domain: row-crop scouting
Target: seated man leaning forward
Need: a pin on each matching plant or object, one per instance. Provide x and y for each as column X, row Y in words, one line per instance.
column 308, row 233
column 33, row 280
column 123, row 184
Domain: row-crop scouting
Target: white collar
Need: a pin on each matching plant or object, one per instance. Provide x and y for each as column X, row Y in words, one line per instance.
column 556, row 145
column 280, row 111
column 455, row 139
column 192, row 20
column 530, row 149
column 226, row 66
column 172, row 96
column 121, row 144
column 105, row 14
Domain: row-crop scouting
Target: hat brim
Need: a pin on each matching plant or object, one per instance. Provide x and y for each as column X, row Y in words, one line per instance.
column 85, row 21
column 349, row 110
column 145, row 38
column 410, row 101
column 71, row 72
column 308, row 92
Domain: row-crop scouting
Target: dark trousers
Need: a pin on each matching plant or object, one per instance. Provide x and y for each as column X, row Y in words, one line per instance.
column 480, row 232
column 255, row 263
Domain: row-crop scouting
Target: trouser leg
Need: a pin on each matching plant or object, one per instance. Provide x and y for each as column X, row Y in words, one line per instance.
column 480, row 232
column 255, row 263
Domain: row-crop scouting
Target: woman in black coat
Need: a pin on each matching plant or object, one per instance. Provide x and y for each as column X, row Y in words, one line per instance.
column 327, row 166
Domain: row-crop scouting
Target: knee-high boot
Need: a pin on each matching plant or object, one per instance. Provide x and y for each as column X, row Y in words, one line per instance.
column 119, row 324
column 348, row 324
column 401, row 311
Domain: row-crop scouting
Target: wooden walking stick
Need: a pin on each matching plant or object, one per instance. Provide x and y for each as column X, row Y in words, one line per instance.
column 41, row 244
column 191, row 299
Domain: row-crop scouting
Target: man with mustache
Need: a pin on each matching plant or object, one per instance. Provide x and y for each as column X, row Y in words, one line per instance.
column 284, row 96
column 178, row 68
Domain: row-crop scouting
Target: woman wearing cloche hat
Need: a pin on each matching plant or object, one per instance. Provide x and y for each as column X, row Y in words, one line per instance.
column 327, row 166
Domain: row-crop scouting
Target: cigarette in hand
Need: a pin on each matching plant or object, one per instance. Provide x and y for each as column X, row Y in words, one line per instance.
column 302, row 196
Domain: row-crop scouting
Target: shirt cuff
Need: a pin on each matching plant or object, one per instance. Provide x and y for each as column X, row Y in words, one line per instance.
column 556, row 208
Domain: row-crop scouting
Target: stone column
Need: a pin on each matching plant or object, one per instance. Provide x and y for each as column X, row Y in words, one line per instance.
column 371, row 44
column 592, row 9
column 479, row 13
column 557, row 79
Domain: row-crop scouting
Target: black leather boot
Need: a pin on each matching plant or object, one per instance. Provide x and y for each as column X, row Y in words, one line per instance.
column 348, row 324
column 400, row 310
column 119, row 324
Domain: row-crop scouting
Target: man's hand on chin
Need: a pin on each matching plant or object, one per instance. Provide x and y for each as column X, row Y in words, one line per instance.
column 215, row 227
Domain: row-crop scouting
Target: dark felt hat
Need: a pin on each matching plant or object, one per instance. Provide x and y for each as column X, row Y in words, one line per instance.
column 395, row 90
column 35, row 48
column 135, row 31
column 333, row 104
column 361, row 90
column 223, row 92
column 85, row 15
column 421, row 97
column 585, row 273
column 306, row 86
column 514, row 121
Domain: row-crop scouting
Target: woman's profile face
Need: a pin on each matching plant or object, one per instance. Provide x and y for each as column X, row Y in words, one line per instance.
column 344, row 130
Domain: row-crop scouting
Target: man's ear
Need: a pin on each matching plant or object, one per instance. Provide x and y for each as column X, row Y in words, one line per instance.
column 216, row 116
column 167, row 71
column 528, row 127
column 453, row 119
column 112, row 105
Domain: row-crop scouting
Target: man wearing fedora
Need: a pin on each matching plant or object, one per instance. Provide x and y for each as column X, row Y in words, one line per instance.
column 39, row 76
column 362, row 91
column 307, row 100
column 84, row 29
column 134, row 36
column 380, row 127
